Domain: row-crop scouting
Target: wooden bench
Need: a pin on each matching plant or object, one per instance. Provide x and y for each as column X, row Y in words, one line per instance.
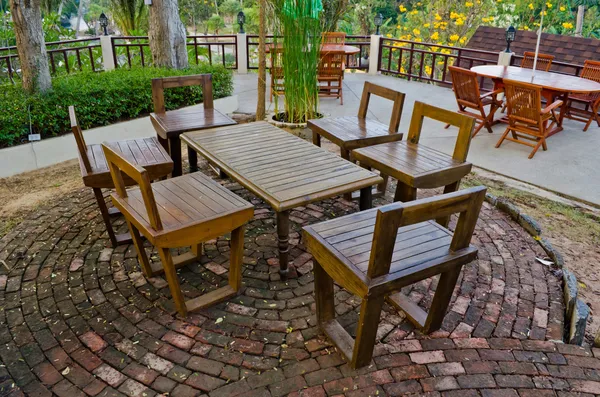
column 179, row 212
column 170, row 125
column 376, row 253
column 144, row 152
column 353, row 132
column 416, row 166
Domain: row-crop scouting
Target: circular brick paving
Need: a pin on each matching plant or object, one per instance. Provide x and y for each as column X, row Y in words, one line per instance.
column 80, row 319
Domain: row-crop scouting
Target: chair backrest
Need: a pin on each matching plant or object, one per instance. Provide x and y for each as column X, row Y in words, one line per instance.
column 464, row 124
column 160, row 84
column 523, row 102
column 79, row 139
column 396, row 96
column 333, row 38
column 117, row 165
column 331, row 63
column 591, row 70
column 276, row 59
column 390, row 217
column 544, row 61
column 466, row 87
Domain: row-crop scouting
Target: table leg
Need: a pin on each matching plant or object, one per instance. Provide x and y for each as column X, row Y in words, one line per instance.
column 175, row 152
column 346, row 156
column 366, row 198
column 283, row 235
column 192, row 159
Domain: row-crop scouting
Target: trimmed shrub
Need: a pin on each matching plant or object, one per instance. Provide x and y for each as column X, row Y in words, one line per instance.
column 99, row 99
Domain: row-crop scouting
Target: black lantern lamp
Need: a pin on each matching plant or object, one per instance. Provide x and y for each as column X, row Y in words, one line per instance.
column 378, row 22
column 103, row 23
column 510, row 37
column 241, row 18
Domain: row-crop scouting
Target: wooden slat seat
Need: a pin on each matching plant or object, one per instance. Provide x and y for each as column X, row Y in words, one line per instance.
column 376, row 253
column 144, row 152
column 169, row 125
column 417, row 166
column 351, row 133
column 182, row 211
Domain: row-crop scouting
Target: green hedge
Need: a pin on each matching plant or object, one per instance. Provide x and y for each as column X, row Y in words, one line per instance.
column 99, row 99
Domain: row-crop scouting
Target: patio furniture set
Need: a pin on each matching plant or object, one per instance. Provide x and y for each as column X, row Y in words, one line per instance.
column 373, row 253
column 529, row 121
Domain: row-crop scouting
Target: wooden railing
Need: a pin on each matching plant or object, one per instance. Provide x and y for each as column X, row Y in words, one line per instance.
column 252, row 49
column 135, row 50
column 354, row 61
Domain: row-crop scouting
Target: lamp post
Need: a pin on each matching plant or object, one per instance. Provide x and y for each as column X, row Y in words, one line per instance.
column 103, row 23
column 510, row 37
column 241, row 19
column 378, row 22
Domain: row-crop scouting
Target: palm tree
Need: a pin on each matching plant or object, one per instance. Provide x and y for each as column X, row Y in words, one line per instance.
column 128, row 14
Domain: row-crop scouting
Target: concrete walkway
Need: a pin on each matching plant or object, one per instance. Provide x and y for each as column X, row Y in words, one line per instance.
column 571, row 166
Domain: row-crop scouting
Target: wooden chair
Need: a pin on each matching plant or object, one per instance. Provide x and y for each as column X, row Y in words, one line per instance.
column 468, row 96
column 591, row 71
column 179, row 212
column 330, row 75
column 144, row 152
column 544, row 61
column 276, row 72
column 526, row 118
column 376, row 253
column 170, row 125
column 333, row 38
column 416, row 166
column 353, row 132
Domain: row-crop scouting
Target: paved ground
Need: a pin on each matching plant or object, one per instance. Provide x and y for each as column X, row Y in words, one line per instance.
column 570, row 166
column 80, row 319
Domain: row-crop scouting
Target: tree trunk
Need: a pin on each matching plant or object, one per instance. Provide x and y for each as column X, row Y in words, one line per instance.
column 27, row 22
column 167, row 35
column 79, row 15
column 262, row 63
column 579, row 26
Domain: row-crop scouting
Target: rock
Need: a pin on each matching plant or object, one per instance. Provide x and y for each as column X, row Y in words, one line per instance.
column 505, row 205
column 530, row 224
column 578, row 323
column 556, row 256
column 490, row 198
column 570, row 291
column 597, row 339
column 242, row 118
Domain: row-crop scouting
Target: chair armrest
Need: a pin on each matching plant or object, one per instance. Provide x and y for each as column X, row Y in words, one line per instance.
column 493, row 93
column 551, row 107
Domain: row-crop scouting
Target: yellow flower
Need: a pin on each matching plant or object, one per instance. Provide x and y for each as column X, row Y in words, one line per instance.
column 419, row 4
column 416, row 32
column 402, row 8
column 468, row 4
column 402, row 70
column 414, row 12
column 435, row 36
column 398, row 27
column 484, row 19
column 440, row 62
column 453, row 15
column 563, row 8
column 428, row 70
column 446, row 51
column 567, row 25
column 525, row 27
column 544, row 13
column 438, row 17
column 454, row 37
column 463, row 40
column 549, row 5
column 530, row 6
column 426, row 25
column 459, row 22
column 499, row 1
column 389, row 36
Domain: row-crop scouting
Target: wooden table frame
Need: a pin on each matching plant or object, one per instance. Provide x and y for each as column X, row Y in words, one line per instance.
column 554, row 85
column 242, row 152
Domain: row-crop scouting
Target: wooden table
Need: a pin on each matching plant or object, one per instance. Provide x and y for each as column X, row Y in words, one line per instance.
column 282, row 169
column 553, row 84
column 348, row 49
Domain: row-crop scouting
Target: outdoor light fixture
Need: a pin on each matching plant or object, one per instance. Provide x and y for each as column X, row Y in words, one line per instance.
column 103, row 23
column 241, row 20
column 378, row 21
column 510, row 37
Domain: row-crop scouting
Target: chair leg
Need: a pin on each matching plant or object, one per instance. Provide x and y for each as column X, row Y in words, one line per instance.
column 316, row 138
column 324, row 295
column 476, row 130
column 441, row 300
column 346, row 156
column 198, row 250
column 175, row 152
column 405, row 193
column 382, row 187
column 503, row 137
column 453, row 187
column 105, row 215
column 235, row 258
column 447, row 126
column 171, row 275
column 139, row 247
column 192, row 159
column 541, row 142
column 368, row 322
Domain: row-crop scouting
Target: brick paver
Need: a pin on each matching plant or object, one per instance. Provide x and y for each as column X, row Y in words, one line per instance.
column 79, row 319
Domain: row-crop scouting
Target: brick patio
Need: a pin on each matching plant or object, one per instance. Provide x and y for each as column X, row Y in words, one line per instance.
column 80, row 319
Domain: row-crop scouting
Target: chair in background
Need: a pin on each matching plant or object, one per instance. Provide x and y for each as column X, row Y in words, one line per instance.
column 169, row 125
column 144, row 152
column 526, row 118
column 417, row 166
column 179, row 212
column 468, row 96
column 376, row 253
column 276, row 72
column 591, row 102
column 353, row 132
column 330, row 74
column 544, row 61
column 333, row 38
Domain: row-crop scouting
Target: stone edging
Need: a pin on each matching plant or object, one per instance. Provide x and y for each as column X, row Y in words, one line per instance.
column 576, row 311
